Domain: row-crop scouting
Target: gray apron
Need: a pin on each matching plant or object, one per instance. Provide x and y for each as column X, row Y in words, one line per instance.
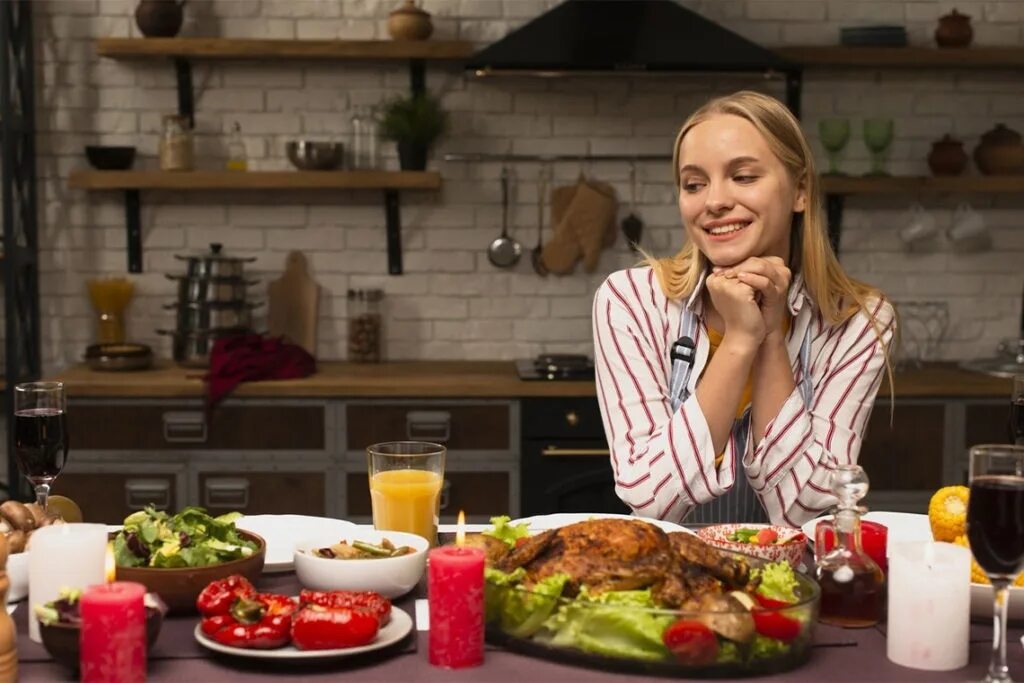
column 740, row 504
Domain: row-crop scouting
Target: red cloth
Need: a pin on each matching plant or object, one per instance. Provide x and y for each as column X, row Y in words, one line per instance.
column 251, row 357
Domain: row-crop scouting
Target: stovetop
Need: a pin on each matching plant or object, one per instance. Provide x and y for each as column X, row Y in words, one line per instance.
column 556, row 367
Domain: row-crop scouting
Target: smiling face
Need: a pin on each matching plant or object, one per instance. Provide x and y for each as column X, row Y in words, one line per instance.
column 736, row 197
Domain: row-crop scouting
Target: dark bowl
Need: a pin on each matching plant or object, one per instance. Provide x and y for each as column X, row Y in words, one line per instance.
column 180, row 587
column 110, row 157
column 61, row 640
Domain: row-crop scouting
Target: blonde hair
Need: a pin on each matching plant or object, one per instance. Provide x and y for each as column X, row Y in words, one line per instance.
column 836, row 295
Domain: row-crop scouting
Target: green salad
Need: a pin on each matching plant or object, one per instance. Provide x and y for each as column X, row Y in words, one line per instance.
column 191, row 538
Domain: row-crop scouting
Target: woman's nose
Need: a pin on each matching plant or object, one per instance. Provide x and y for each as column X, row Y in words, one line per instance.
column 718, row 199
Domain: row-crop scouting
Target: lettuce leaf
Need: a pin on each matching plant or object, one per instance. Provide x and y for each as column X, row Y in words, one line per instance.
column 778, row 581
column 503, row 531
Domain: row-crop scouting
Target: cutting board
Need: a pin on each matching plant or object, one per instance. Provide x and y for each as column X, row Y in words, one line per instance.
column 293, row 300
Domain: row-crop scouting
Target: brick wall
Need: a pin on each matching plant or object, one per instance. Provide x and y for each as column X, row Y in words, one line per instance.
column 452, row 303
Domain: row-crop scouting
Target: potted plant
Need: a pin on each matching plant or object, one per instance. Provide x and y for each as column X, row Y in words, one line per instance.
column 414, row 123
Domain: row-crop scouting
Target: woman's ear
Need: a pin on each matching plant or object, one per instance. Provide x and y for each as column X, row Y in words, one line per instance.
column 800, row 197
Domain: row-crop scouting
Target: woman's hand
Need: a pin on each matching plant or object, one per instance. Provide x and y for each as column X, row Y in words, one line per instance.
column 769, row 277
column 736, row 302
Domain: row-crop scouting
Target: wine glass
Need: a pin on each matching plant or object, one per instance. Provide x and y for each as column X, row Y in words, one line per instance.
column 877, row 138
column 1017, row 411
column 995, row 529
column 40, row 434
column 834, row 134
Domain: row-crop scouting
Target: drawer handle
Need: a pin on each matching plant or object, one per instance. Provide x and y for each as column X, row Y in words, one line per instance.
column 224, row 492
column 571, row 418
column 184, row 426
column 428, row 425
column 138, row 493
column 446, row 492
column 554, row 451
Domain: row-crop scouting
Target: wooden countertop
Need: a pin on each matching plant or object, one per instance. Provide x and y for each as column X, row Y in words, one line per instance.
column 447, row 379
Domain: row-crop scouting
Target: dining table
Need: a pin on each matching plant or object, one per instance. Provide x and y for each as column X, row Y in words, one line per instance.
column 838, row 654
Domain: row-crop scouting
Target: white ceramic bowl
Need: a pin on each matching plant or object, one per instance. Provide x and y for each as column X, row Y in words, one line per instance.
column 17, row 574
column 389, row 576
column 791, row 551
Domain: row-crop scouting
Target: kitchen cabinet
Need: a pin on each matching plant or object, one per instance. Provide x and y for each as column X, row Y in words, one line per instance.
column 107, row 493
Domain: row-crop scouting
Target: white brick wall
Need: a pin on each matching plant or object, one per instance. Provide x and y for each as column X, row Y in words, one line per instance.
column 452, row 303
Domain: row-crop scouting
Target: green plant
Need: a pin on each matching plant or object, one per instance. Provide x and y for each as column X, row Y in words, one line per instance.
column 418, row 119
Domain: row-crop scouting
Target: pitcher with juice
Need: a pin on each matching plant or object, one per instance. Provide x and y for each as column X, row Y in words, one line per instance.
column 405, row 486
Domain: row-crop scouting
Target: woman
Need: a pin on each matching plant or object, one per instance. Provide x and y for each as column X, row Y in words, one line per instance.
column 781, row 352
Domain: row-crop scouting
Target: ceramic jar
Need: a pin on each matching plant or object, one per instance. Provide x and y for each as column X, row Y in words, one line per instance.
column 947, row 156
column 1000, row 152
column 954, row 30
column 160, row 18
column 409, row 22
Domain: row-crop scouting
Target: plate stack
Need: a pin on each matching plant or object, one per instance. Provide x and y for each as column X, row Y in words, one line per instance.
column 211, row 304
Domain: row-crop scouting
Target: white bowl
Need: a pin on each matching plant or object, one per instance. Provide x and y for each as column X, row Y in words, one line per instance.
column 17, row 574
column 389, row 576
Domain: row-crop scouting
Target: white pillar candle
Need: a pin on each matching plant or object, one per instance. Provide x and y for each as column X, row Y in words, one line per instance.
column 70, row 555
column 929, row 605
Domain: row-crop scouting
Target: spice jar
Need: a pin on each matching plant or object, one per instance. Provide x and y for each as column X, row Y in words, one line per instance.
column 364, row 325
column 176, row 144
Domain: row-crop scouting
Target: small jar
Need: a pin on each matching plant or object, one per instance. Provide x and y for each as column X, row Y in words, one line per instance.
column 364, row 325
column 177, row 147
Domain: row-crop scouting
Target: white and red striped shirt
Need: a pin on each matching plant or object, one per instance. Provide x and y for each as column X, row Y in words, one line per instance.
column 664, row 462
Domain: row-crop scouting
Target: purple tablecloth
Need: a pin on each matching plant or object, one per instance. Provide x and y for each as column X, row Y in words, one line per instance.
column 842, row 655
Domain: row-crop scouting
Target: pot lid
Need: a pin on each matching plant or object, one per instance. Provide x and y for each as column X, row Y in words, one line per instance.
column 215, row 254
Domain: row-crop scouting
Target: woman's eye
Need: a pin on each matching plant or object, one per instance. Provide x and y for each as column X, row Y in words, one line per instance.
column 692, row 186
column 745, row 178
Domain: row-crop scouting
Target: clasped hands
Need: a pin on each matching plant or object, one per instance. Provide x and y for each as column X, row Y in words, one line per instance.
column 751, row 296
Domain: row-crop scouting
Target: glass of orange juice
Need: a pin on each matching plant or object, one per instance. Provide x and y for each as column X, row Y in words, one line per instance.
column 405, row 486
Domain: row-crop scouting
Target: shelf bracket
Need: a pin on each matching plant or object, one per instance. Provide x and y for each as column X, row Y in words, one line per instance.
column 133, row 222
column 417, row 76
column 794, row 90
column 834, row 212
column 394, row 231
column 186, row 100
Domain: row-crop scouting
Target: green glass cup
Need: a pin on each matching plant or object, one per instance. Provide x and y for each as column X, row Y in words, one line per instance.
column 834, row 134
column 878, row 134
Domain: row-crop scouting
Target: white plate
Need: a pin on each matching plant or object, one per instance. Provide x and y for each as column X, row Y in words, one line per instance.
column 397, row 628
column 903, row 527
column 282, row 532
column 560, row 519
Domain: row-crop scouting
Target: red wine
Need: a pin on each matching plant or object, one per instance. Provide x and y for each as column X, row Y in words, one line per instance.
column 40, row 443
column 1017, row 421
column 995, row 523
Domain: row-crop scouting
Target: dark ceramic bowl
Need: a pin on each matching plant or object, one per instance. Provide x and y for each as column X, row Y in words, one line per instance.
column 180, row 587
column 61, row 640
column 110, row 157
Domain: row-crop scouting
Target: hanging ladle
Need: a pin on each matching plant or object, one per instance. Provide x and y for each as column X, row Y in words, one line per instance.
column 504, row 251
column 542, row 189
column 632, row 226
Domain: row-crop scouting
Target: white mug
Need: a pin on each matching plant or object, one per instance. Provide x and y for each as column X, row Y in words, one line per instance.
column 968, row 231
column 920, row 228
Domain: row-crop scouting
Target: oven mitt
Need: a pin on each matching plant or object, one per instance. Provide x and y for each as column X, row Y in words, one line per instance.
column 588, row 217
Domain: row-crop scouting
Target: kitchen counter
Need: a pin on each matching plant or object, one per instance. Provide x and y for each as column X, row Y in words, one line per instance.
column 447, row 379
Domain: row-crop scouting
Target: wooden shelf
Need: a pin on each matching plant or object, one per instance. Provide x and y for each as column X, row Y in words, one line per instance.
column 255, row 180
column 847, row 185
column 904, row 57
column 234, row 48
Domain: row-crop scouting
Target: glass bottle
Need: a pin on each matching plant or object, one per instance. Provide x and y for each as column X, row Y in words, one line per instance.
column 236, row 150
column 370, row 159
column 358, row 139
column 177, row 148
column 364, row 325
column 852, row 584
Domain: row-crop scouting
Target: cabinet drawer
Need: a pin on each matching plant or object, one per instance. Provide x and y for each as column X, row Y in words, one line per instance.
column 260, row 493
column 187, row 427
column 109, row 497
column 459, row 427
column 986, row 424
column 479, row 494
column 907, row 455
column 562, row 418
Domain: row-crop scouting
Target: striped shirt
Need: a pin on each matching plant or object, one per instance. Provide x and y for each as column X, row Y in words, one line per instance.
column 664, row 463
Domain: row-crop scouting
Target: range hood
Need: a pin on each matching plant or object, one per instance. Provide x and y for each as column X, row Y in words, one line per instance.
column 632, row 36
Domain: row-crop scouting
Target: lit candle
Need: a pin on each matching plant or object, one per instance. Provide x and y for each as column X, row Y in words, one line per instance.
column 112, row 645
column 929, row 605
column 62, row 555
column 455, row 591
column 110, row 564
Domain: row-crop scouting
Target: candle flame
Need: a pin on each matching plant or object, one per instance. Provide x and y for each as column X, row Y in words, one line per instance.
column 460, row 531
column 109, row 566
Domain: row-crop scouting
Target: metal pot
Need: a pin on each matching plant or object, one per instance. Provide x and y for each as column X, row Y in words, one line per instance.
column 203, row 316
column 192, row 349
column 211, row 290
column 215, row 264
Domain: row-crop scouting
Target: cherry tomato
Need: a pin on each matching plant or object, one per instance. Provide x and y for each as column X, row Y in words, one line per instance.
column 773, row 624
column 691, row 642
column 766, row 537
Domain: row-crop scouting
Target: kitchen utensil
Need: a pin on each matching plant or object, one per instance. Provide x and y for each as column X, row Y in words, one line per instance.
column 632, row 226
column 118, row 357
column 392, row 577
column 968, row 232
column 308, row 155
column 542, row 189
column 215, row 264
column 211, row 290
column 203, row 316
column 110, row 157
column 292, row 301
column 192, row 348
column 504, row 251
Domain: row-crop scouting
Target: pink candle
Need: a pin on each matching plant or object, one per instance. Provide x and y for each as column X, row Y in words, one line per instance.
column 113, row 639
column 455, row 589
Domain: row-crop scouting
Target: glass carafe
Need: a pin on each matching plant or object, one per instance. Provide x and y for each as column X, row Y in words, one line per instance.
column 852, row 584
